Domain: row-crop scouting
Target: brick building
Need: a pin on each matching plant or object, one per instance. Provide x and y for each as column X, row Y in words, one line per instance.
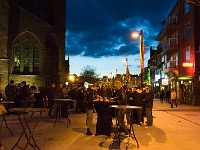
column 32, row 41
column 180, row 53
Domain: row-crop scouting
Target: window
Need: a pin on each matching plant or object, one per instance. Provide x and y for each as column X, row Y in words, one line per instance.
column 17, row 59
column 27, row 50
column 187, row 7
column 173, row 19
column 187, row 30
column 36, row 59
column 187, row 55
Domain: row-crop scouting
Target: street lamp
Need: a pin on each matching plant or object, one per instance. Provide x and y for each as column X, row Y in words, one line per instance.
column 135, row 35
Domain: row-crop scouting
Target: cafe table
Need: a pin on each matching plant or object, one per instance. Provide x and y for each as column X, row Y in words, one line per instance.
column 58, row 105
column 2, row 112
column 131, row 129
column 4, row 117
column 27, row 130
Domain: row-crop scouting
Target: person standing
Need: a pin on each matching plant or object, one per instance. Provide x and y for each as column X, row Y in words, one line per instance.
column 162, row 94
column 11, row 92
column 91, row 96
column 167, row 96
column 50, row 96
column 138, row 97
column 25, row 94
column 58, row 94
column 121, row 97
column 148, row 94
column 104, row 116
column 173, row 98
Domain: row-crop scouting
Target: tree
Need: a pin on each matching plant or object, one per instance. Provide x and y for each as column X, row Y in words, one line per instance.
column 89, row 74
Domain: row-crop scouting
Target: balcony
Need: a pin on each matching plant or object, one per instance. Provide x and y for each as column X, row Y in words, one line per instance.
column 171, row 43
column 170, row 66
column 168, row 27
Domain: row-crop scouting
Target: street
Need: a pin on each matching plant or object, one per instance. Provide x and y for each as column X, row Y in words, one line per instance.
column 173, row 128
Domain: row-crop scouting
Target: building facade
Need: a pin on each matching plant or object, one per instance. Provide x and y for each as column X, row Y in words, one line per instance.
column 32, row 42
column 179, row 53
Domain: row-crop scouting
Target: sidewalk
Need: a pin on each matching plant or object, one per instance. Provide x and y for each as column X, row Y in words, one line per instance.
column 174, row 128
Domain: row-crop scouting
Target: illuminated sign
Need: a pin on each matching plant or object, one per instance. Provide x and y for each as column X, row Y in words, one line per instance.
column 157, row 77
column 187, row 64
column 164, row 81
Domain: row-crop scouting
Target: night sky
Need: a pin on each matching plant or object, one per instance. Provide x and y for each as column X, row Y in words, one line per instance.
column 98, row 32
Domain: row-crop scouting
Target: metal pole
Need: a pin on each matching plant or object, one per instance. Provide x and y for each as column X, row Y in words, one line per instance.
column 141, row 57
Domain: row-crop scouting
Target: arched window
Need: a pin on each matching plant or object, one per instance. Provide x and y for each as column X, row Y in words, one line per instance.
column 17, row 59
column 27, row 50
column 36, row 59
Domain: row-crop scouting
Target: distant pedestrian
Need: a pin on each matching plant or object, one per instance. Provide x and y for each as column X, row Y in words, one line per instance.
column 162, row 94
column 167, row 96
column 173, row 98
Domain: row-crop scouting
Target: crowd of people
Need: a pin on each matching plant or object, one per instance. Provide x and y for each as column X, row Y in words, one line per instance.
column 100, row 98
column 24, row 95
column 95, row 98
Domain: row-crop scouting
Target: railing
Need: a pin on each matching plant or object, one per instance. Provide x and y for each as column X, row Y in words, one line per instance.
column 171, row 21
column 170, row 42
column 170, row 64
column 173, row 41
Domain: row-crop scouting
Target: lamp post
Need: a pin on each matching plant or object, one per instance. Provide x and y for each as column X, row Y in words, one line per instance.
column 134, row 35
column 127, row 70
column 116, row 72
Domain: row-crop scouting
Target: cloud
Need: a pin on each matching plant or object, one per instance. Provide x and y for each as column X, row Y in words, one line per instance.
column 102, row 28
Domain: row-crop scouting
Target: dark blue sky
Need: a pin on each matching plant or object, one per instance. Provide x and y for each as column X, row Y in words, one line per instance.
column 101, row 29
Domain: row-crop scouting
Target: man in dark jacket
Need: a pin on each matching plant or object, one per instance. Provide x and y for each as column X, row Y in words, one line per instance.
column 50, row 95
column 149, row 105
column 92, row 95
column 138, row 97
column 121, row 97
column 11, row 92
column 25, row 94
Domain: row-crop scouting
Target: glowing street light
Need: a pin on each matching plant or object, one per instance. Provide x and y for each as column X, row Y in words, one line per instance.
column 71, row 78
column 136, row 35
